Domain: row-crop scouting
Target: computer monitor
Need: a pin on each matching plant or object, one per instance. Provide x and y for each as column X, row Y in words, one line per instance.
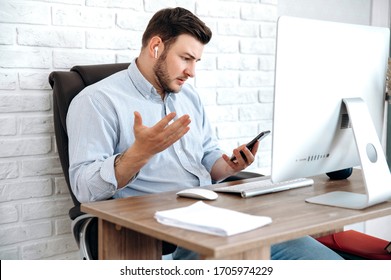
column 329, row 105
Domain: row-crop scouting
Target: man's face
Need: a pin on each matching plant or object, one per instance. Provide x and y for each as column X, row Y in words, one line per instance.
column 177, row 64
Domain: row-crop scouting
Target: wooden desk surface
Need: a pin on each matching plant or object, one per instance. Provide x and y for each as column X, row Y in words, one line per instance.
column 292, row 216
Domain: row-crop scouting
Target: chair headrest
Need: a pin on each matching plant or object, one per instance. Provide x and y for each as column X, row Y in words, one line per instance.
column 91, row 74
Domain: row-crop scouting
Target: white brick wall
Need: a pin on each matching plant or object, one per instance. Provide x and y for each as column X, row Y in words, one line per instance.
column 235, row 81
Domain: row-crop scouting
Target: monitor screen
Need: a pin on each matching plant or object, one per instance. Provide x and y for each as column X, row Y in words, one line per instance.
column 318, row 65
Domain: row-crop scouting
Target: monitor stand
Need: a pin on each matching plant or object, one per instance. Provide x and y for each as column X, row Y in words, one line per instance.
column 376, row 174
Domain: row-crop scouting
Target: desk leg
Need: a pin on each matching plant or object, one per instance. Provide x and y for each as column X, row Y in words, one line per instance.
column 116, row 243
column 262, row 253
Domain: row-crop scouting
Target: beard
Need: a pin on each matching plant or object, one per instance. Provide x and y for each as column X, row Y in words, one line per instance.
column 162, row 76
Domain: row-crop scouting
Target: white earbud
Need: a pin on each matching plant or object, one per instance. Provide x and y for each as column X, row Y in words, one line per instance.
column 156, row 49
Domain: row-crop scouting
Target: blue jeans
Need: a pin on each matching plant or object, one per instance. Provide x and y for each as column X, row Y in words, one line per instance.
column 305, row 248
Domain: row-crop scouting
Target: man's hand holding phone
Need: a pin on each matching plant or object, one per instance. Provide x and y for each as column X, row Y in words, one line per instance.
column 242, row 157
column 250, row 145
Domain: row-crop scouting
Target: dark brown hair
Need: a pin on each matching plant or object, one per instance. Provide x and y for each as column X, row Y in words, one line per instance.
column 169, row 23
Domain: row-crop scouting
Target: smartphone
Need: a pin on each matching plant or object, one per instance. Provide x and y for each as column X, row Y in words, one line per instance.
column 251, row 144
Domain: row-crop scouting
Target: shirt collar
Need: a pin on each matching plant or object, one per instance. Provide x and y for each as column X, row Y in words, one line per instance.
column 142, row 85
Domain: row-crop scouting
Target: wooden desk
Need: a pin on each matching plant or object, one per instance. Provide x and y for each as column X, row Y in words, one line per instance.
column 128, row 230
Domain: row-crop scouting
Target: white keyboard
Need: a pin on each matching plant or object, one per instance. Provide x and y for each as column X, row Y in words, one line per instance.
column 265, row 186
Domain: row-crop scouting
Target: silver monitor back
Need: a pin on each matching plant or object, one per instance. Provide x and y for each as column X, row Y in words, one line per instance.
column 319, row 63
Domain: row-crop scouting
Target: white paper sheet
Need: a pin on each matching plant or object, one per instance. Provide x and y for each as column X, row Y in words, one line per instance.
column 210, row 219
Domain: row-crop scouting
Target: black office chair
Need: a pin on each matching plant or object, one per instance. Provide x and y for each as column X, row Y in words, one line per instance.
column 66, row 85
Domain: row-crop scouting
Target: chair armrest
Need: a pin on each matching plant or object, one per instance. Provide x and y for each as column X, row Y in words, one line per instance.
column 242, row 175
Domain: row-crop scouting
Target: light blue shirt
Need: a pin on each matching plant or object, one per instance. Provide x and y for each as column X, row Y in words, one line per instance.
column 100, row 126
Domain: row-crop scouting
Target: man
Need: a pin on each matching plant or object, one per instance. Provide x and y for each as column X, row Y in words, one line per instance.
column 144, row 130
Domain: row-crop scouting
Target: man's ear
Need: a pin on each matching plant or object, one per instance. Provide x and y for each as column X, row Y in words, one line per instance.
column 154, row 46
